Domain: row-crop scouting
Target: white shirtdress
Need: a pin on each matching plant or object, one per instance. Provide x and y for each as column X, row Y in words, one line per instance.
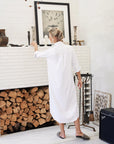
column 62, row 63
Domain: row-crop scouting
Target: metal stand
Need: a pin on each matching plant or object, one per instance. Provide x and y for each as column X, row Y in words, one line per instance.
column 82, row 96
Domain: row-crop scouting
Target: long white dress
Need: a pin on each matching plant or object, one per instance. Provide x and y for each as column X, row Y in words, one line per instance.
column 62, row 63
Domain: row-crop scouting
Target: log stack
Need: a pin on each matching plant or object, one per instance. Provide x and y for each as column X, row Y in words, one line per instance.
column 22, row 109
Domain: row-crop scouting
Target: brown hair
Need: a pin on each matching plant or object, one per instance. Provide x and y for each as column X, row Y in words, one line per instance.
column 56, row 33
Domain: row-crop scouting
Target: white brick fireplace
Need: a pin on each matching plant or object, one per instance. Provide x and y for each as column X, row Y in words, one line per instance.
column 19, row 68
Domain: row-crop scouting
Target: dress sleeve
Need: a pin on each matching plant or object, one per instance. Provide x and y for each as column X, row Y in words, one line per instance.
column 46, row 53
column 75, row 64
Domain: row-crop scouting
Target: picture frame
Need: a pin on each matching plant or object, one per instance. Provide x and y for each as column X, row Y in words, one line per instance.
column 51, row 15
column 101, row 100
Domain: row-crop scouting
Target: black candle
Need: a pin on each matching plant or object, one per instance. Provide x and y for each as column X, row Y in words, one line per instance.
column 28, row 37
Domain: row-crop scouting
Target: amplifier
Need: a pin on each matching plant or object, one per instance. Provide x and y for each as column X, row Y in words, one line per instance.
column 106, row 129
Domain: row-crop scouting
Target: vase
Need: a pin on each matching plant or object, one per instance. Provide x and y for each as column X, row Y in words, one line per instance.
column 3, row 38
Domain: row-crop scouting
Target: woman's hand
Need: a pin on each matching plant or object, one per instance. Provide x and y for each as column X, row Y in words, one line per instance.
column 79, row 79
column 34, row 44
column 79, row 83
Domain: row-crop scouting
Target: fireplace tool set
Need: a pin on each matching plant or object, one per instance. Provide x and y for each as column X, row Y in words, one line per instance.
column 85, row 101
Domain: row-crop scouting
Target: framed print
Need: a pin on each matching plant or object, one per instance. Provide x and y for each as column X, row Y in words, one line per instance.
column 50, row 15
column 101, row 100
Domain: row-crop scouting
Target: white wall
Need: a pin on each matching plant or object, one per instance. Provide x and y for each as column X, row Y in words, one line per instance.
column 96, row 24
column 17, row 18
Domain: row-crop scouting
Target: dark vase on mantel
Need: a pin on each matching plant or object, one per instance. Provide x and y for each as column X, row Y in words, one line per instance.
column 3, row 38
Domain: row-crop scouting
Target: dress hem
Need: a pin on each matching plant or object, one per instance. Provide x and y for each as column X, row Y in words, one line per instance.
column 65, row 121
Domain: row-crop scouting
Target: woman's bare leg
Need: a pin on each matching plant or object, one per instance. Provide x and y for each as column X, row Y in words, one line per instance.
column 77, row 126
column 62, row 133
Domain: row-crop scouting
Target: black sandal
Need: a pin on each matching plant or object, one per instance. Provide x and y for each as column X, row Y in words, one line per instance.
column 58, row 134
column 84, row 137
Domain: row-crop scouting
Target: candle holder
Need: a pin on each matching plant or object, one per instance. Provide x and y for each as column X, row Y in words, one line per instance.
column 75, row 35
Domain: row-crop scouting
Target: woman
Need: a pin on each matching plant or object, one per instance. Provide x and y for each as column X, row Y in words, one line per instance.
column 62, row 63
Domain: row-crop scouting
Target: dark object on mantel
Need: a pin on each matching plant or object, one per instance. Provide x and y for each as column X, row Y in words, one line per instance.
column 16, row 45
column 28, row 37
column 3, row 38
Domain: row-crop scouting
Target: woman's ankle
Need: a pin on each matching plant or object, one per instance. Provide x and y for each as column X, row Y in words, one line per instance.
column 63, row 132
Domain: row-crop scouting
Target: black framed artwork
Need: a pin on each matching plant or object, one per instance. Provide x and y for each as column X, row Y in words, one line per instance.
column 50, row 15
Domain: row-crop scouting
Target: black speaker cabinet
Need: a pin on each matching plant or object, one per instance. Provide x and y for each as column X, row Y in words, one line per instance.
column 106, row 129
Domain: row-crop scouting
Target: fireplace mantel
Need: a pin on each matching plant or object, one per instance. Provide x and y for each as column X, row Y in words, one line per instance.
column 19, row 68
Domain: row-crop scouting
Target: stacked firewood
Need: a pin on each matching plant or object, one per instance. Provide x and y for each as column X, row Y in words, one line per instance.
column 24, row 108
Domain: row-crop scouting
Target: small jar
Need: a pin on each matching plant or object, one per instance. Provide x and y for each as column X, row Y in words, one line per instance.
column 3, row 38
